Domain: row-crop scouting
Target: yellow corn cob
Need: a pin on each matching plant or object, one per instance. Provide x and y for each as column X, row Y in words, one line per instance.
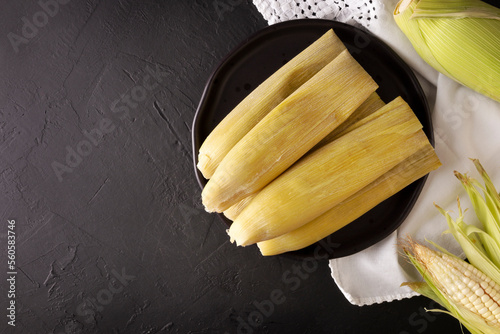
column 264, row 98
column 411, row 169
column 330, row 175
column 289, row 131
column 462, row 285
column 372, row 103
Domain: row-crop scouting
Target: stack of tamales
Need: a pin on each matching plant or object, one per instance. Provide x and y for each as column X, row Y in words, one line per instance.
column 309, row 151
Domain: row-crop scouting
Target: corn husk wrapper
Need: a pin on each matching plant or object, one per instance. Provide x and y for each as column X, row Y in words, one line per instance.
column 330, row 175
column 357, row 118
column 264, row 98
column 290, row 130
column 411, row 169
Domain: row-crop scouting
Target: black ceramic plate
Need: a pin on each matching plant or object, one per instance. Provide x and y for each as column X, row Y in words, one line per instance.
column 266, row 51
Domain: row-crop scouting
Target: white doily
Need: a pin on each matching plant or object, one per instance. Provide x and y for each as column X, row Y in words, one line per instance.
column 352, row 12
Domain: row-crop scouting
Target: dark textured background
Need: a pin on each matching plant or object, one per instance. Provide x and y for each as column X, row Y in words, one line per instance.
column 119, row 243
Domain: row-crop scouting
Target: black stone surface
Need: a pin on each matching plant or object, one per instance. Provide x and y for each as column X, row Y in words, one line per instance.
column 96, row 108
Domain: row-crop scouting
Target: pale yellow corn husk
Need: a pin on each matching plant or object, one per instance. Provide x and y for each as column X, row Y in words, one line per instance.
column 289, row 131
column 408, row 171
column 330, row 175
column 369, row 118
column 371, row 104
column 236, row 209
column 264, row 98
column 459, row 38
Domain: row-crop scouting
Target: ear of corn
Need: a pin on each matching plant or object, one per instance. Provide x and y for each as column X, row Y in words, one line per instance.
column 458, row 38
column 470, row 292
column 330, row 175
column 411, row 169
column 288, row 132
column 466, row 292
column 264, row 98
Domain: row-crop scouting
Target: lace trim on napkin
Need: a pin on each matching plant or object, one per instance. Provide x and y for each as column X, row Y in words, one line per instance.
column 353, row 12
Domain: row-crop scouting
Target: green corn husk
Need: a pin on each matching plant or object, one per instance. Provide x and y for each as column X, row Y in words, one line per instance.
column 459, row 38
column 471, row 240
column 437, row 286
column 481, row 246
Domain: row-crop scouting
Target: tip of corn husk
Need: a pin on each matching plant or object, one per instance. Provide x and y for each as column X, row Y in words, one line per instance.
column 233, row 238
column 242, row 235
column 203, row 165
column 421, row 252
column 478, row 166
column 401, row 6
column 462, row 177
column 263, row 250
column 208, row 207
column 418, row 251
column 213, row 197
column 415, row 286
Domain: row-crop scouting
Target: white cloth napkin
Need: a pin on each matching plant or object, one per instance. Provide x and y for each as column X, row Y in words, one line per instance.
column 466, row 125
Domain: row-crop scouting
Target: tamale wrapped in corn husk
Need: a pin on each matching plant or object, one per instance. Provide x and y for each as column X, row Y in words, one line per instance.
column 330, row 175
column 289, row 131
column 264, row 98
column 372, row 103
column 411, row 169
